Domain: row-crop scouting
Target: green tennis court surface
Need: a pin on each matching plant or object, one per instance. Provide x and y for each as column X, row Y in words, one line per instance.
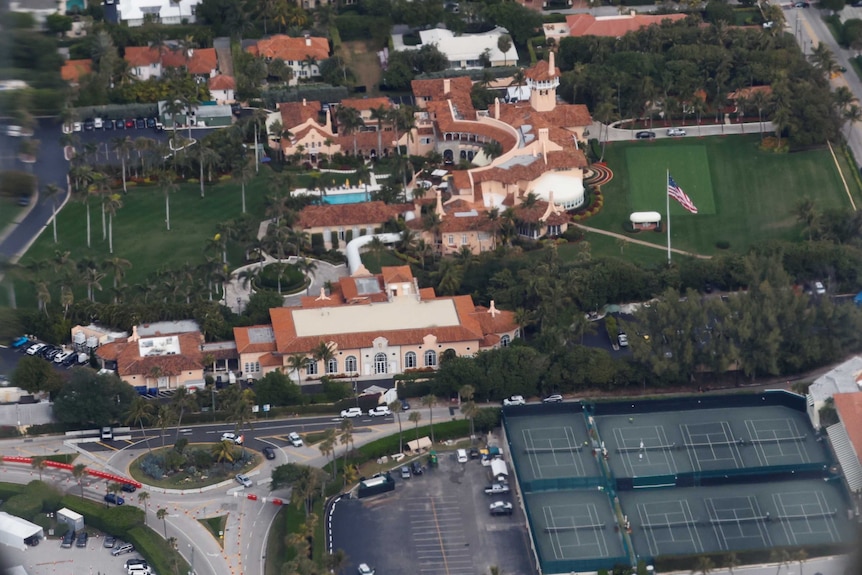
column 689, row 166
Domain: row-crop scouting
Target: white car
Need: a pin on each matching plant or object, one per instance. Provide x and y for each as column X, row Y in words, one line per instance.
column 462, row 456
column 243, row 480
column 351, row 412
column 35, row 349
column 294, row 439
column 237, row 439
column 364, row 569
column 501, row 508
column 496, row 489
column 379, row 410
column 77, row 126
column 98, row 123
column 555, row 398
column 819, row 289
column 623, row 339
column 61, row 357
column 515, row 400
column 675, row 132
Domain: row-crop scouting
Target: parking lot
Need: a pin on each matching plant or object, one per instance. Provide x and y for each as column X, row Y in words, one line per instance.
column 48, row 558
column 437, row 523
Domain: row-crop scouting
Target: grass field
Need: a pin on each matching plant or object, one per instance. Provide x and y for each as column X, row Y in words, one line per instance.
column 754, row 192
column 9, row 210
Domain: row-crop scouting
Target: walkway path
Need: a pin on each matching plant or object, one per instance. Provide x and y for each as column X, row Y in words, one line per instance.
column 638, row 242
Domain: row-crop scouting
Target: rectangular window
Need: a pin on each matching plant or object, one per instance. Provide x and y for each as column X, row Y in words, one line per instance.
column 425, row 140
column 463, row 239
column 341, row 234
column 451, row 240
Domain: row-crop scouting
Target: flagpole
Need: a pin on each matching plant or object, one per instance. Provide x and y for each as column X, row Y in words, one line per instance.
column 667, row 208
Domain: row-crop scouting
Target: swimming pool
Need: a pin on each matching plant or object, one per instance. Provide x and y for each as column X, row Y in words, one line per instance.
column 349, row 198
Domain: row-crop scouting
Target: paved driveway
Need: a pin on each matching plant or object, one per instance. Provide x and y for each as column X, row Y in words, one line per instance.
column 433, row 524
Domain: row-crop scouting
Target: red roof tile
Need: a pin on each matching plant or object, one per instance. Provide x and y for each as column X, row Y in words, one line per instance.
column 295, row 113
column 542, row 71
column 222, row 82
column 435, row 89
column 292, row 49
column 615, row 26
column 367, row 103
column 362, row 214
column 72, row 70
column 141, row 55
column 400, row 274
column 849, row 408
column 203, row 61
column 243, row 340
column 129, row 361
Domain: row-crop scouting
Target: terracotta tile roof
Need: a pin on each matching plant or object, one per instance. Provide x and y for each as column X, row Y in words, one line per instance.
column 849, row 408
column 427, row 293
column 350, row 293
column 222, row 82
column 615, row 26
column 366, row 141
column 129, row 362
column 295, row 113
column 749, row 92
column 563, row 116
column 174, row 57
column 72, row 70
column 365, row 213
column 399, row 274
column 367, row 103
column 203, row 61
column 562, row 160
column 249, row 341
column 141, row 55
column 534, row 213
column 292, row 49
column 501, row 322
column 435, row 89
column 542, row 71
column 270, row 360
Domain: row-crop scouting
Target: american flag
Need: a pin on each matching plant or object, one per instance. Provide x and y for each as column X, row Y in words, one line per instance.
column 674, row 191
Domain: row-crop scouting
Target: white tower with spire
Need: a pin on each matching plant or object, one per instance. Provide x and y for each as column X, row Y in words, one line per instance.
column 543, row 80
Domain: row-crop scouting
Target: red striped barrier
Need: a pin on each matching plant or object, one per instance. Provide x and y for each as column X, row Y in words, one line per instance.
column 68, row 467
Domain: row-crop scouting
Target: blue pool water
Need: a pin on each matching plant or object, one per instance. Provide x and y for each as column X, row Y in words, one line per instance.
column 351, row 198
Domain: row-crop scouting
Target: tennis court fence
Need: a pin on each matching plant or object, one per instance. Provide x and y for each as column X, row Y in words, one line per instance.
column 708, row 444
column 736, row 520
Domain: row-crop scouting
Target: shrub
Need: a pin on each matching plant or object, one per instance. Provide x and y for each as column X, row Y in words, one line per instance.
column 16, row 183
column 291, row 278
column 573, row 234
column 156, row 550
column 334, row 241
column 722, row 244
column 317, row 245
column 23, row 506
column 389, row 445
column 117, row 521
column 47, row 495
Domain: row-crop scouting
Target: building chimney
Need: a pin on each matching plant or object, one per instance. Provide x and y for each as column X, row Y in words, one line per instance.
column 307, row 41
column 439, row 209
column 493, row 309
column 496, row 108
column 328, row 120
column 552, row 68
column 303, row 101
column 322, row 296
column 447, row 85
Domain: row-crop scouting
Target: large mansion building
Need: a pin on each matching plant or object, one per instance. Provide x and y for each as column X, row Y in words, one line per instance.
column 374, row 326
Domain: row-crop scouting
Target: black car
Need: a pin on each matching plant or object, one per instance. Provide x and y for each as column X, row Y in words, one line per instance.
column 474, row 453
column 47, row 350
column 71, row 360
column 82, row 539
column 107, row 124
column 416, row 467
column 140, row 123
column 151, row 123
column 645, row 135
column 129, row 488
column 269, row 452
column 52, row 353
column 89, row 125
column 120, row 124
column 68, row 539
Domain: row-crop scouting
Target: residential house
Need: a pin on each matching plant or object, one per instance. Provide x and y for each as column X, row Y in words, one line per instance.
column 844, row 378
column 347, row 221
column 144, row 62
column 302, row 121
column 202, row 63
column 302, row 55
column 607, row 26
column 222, row 88
column 73, row 70
column 136, row 12
column 465, row 51
column 846, row 438
column 367, row 138
column 373, row 326
column 39, row 9
column 160, row 356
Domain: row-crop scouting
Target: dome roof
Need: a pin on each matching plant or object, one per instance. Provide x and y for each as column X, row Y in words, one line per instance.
column 567, row 188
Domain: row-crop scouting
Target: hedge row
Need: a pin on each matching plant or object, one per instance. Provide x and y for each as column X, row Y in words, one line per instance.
column 389, row 445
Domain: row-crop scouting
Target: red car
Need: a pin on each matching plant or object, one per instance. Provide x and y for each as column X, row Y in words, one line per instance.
column 130, row 124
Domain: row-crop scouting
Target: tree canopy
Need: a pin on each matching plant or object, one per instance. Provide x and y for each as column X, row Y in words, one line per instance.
column 92, row 399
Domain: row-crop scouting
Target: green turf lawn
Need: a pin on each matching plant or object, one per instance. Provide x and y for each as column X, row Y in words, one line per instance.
column 754, row 192
column 9, row 210
column 605, row 246
column 689, row 167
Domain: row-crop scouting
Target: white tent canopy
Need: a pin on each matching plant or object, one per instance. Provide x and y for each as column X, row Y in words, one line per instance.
column 14, row 530
column 645, row 217
column 421, row 443
column 499, row 469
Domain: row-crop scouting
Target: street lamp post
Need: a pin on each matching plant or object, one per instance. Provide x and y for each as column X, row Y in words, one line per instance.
column 355, row 395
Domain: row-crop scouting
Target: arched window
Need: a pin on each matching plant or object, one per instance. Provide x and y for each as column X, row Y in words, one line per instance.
column 505, row 340
column 310, row 367
column 380, row 364
column 430, row 358
column 350, row 364
column 409, row 360
column 332, row 366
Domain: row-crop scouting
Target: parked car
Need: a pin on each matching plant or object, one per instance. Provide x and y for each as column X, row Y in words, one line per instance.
column 416, row 468
column 83, row 537
column 120, row 124
column 244, row 480
column 89, row 124
column 675, row 132
column 233, row 437
column 137, row 561
column 108, row 124
column 151, row 123
column 364, row 569
column 555, row 398
column 462, row 456
column 68, row 539
column 474, row 453
column 294, row 439
column 819, row 289
column 501, row 508
column 351, row 412
column 268, row 452
column 35, row 348
column 380, row 410
column 405, row 472
column 77, row 126
column 129, row 488
column 123, row 549
column 802, row 5
column 98, row 123
column 71, row 360
column 140, row 123
column 20, row 342
column 623, row 339
column 109, row 542
column 515, row 400
column 404, row 405
column 115, row 499
column 51, row 353
column 62, row 356
column 645, row 135
column 497, row 489
column 130, row 124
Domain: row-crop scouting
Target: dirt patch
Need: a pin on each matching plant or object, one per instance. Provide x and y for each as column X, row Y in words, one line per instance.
column 363, row 61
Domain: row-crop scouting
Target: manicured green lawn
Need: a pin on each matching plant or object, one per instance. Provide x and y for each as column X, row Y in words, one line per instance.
column 689, row 167
column 9, row 210
column 605, row 246
column 755, row 192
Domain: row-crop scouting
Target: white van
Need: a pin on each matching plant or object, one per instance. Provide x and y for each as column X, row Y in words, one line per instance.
column 462, row 456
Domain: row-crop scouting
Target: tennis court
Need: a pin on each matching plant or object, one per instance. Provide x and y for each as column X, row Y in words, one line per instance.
column 726, row 517
column 708, row 440
column 574, row 525
column 552, row 447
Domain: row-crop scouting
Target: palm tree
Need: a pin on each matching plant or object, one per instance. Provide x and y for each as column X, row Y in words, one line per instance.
column 164, row 418
column 504, row 44
column 327, row 446
column 122, row 145
column 350, row 122
column 780, row 557
column 323, row 352
column 39, row 463
column 244, row 173
column 140, row 410
column 704, row 565
column 430, row 401
column 415, row 417
column 295, row 362
column 206, row 157
column 377, row 248
column 241, row 414
column 78, row 472
column 851, row 115
column 808, row 215
column 92, row 278
column 117, row 266
column 731, row 560
column 823, row 58
column 182, row 400
column 162, row 514
column 223, row 451
column 52, row 191
column 800, row 555
column 345, row 437
column 115, row 488
column 395, row 407
column 144, row 497
column 336, row 561
column 111, row 204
